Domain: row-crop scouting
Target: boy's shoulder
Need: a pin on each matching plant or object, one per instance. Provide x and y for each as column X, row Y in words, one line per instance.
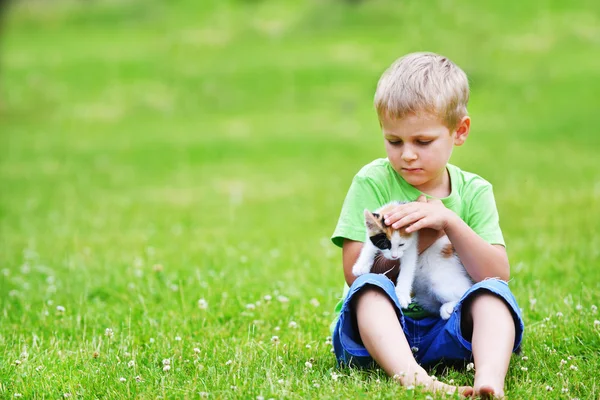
column 467, row 181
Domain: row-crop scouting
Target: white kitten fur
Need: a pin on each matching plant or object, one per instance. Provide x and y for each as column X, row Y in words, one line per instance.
column 404, row 248
column 438, row 281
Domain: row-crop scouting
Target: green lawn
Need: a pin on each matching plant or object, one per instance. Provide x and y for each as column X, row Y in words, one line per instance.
column 154, row 154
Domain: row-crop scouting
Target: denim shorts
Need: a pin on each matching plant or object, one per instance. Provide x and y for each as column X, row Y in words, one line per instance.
column 432, row 339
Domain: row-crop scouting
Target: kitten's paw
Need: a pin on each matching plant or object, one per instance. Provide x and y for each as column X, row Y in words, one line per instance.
column 447, row 309
column 360, row 269
column 403, row 298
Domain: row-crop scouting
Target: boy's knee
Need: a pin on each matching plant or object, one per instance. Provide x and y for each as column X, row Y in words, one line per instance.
column 369, row 294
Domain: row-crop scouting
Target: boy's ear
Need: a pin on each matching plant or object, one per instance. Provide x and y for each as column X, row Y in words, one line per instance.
column 462, row 131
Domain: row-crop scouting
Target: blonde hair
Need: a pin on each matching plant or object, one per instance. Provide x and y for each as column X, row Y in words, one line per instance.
column 423, row 83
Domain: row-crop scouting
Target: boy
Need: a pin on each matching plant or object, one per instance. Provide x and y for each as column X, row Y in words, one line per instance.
column 421, row 102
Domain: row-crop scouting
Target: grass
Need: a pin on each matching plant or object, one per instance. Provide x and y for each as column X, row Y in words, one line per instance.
column 153, row 154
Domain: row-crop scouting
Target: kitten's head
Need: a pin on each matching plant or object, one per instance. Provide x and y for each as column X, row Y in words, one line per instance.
column 391, row 242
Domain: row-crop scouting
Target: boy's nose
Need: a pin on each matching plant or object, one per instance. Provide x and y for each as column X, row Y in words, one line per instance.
column 409, row 155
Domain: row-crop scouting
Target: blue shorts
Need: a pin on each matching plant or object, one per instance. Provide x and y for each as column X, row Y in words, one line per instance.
column 432, row 339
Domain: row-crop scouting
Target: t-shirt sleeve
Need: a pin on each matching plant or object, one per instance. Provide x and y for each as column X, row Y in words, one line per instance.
column 363, row 194
column 483, row 216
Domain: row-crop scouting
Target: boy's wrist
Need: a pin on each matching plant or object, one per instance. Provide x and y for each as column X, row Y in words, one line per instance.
column 452, row 221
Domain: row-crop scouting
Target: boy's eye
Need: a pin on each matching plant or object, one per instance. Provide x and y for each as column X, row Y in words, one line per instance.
column 394, row 142
column 424, row 142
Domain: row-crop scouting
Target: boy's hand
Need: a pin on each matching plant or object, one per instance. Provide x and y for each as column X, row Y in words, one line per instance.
column 420, row 214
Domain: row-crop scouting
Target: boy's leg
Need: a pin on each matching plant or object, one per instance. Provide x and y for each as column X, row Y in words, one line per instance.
column 488, row 323
column 383, row 337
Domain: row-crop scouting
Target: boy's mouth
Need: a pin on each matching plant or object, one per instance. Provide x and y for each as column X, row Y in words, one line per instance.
column 412, row 169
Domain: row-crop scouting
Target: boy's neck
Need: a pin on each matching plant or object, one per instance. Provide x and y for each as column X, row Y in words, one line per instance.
column 439, row 188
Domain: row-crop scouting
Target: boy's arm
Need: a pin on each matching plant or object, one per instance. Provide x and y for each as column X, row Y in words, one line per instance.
column 481, row 259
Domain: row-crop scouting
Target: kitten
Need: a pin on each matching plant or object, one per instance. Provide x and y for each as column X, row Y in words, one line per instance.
column 437, row 276
column 392, row 244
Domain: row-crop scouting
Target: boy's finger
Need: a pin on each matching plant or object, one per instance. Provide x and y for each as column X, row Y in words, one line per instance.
column 422, row 199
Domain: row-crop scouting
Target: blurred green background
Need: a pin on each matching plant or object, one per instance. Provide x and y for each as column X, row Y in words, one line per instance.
column 217, row 139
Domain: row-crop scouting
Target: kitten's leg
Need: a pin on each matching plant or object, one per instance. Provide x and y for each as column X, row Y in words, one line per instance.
column 447, row 308
column 364, row 263
column 408, row 266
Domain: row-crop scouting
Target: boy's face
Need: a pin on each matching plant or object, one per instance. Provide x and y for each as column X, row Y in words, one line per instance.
column 419, row 147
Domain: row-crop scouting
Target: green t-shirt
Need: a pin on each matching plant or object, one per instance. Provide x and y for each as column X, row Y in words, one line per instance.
column 377, row 183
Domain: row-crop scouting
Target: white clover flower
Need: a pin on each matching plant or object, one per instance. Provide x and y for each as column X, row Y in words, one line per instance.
column 203, row 395
column 334, row 376
column 524, row 358
column 275, row 339
column 563, row 362
column 196, row 350
column 314, row 302
column 39, row 368
column 167, row 368
column 532, row 303
column 559, row 314
column 157, row 268
column 67, row 395
column 229, row 362
column 166, row 361
column 293, row 324
column 316, row 385
column 121, row 379
column 131, row 364
column 573, row 367
column 565, row 390
column 308, row 364
column 470, row 367
column 138, row 379
column 308, row 346
column 202, row 304
column 17, row 362
column 281, row 381
column 596, row 323
column 399, row 376
column 108, row 333
column 524, row 369
column 282, row 299
column 549, row 388
column 178, row 338
column 267, row 297
column 17, row 395
column 559, row 374
column 151, row 340
column 579, row 307
column 410, row 387
column 60, row 309
column 250, row 306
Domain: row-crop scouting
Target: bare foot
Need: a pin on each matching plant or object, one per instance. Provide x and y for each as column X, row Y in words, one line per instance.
column 488, row 392
column 428, row 384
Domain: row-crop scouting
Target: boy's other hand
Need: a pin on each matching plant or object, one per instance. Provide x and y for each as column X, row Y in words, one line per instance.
column 420, row 214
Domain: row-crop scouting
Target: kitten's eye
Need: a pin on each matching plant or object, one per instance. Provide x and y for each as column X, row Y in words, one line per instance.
column 385, row 244
column 401, row 244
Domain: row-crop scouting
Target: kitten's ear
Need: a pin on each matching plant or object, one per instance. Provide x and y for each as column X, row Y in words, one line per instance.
column 372, row 221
